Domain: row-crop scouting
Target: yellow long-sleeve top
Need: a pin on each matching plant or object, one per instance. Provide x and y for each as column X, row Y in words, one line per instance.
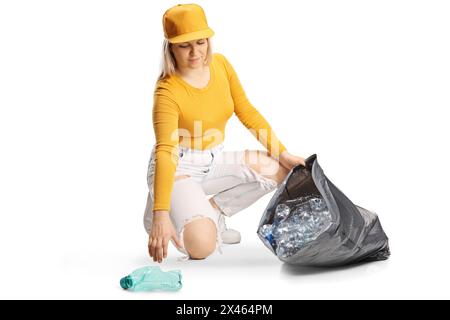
column 184, row 115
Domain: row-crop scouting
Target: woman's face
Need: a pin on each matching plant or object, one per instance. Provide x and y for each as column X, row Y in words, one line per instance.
column 190, row 54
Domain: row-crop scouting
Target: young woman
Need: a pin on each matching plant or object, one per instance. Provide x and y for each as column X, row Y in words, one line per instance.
column 195, row 95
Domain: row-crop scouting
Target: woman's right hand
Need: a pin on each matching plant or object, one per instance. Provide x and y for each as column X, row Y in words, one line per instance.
column 161, row 232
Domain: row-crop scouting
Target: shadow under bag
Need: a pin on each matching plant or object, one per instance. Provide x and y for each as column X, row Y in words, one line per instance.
column 310, row 222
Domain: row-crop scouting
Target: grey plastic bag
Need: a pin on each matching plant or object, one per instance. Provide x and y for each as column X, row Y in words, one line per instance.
column 353, row 235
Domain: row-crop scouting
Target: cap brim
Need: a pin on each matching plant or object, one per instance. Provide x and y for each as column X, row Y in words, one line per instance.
column 192, row 36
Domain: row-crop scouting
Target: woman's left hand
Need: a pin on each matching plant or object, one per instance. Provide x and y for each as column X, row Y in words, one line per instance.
column 290, row 161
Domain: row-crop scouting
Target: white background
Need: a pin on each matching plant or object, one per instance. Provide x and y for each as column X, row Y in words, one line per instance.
column 363, row 84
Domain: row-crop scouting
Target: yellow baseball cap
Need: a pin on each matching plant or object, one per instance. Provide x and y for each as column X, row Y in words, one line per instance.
column 185, row 22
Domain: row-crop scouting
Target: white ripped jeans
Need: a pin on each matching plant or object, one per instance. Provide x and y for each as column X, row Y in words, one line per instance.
column 224, row 174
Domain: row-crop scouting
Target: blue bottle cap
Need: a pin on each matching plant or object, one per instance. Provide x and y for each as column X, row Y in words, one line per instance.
column 126, row 282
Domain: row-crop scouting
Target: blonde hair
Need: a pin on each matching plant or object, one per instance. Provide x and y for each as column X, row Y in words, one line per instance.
column 168, row 62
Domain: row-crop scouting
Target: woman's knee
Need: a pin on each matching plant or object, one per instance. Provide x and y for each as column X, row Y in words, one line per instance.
column 181, row 177
column 265, row 165
column 200, row 237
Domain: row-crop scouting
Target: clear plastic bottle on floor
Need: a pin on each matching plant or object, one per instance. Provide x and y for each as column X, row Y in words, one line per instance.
column 151, row 278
